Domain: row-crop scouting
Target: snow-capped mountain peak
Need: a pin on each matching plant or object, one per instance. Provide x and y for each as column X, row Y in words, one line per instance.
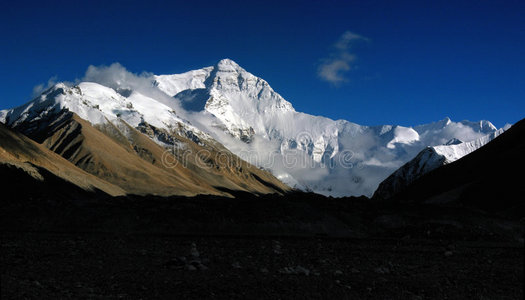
column 240, row 101
column 244, row 106
column 225, row 77
column 228, row 65
column 99, row 104
column 241, row 111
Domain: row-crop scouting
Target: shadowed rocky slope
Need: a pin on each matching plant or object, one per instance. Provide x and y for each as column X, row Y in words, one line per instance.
column 488, row 178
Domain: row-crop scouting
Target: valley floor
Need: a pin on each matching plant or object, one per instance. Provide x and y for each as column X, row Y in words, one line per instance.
column 108, row 266
column 298, row 246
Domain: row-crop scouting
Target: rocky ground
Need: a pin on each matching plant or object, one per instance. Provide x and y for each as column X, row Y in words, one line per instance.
column 302, row 246
column 102, row 266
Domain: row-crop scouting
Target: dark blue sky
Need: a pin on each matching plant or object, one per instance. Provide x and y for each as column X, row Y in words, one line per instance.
column 414, row 62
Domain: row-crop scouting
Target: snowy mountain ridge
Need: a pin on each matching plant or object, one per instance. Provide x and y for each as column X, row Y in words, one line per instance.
column 454, row 151
column 99, row 105
column 225, row 98
column 430, row 159
column 228, row 104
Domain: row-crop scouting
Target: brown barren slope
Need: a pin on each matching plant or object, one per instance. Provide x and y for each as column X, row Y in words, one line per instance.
column 127, row 158
column 20, row 152
column 211, row 163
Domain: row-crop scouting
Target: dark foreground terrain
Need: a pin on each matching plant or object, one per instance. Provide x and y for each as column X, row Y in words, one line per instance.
column 301, row 246
column 455, row 233
column 101, row 266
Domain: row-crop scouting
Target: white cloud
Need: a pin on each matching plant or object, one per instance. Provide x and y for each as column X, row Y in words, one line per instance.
column 119, row 78
column 38, row 89
column 335, row 67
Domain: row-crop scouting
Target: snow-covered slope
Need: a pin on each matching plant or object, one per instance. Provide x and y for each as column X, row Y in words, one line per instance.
column 99, row 105
column 226, row 103
column 430, row 159
column 453, row 151
column 108, row 132
column 241, row 102
column 311, row 152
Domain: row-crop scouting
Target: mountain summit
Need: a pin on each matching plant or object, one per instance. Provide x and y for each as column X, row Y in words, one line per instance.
column 239, row 100
column 228, row 65
column 134, row 142
column 330, row 157
column 224, row 108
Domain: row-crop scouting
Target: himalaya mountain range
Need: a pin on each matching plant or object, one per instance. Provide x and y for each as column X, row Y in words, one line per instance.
column 220, row 128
